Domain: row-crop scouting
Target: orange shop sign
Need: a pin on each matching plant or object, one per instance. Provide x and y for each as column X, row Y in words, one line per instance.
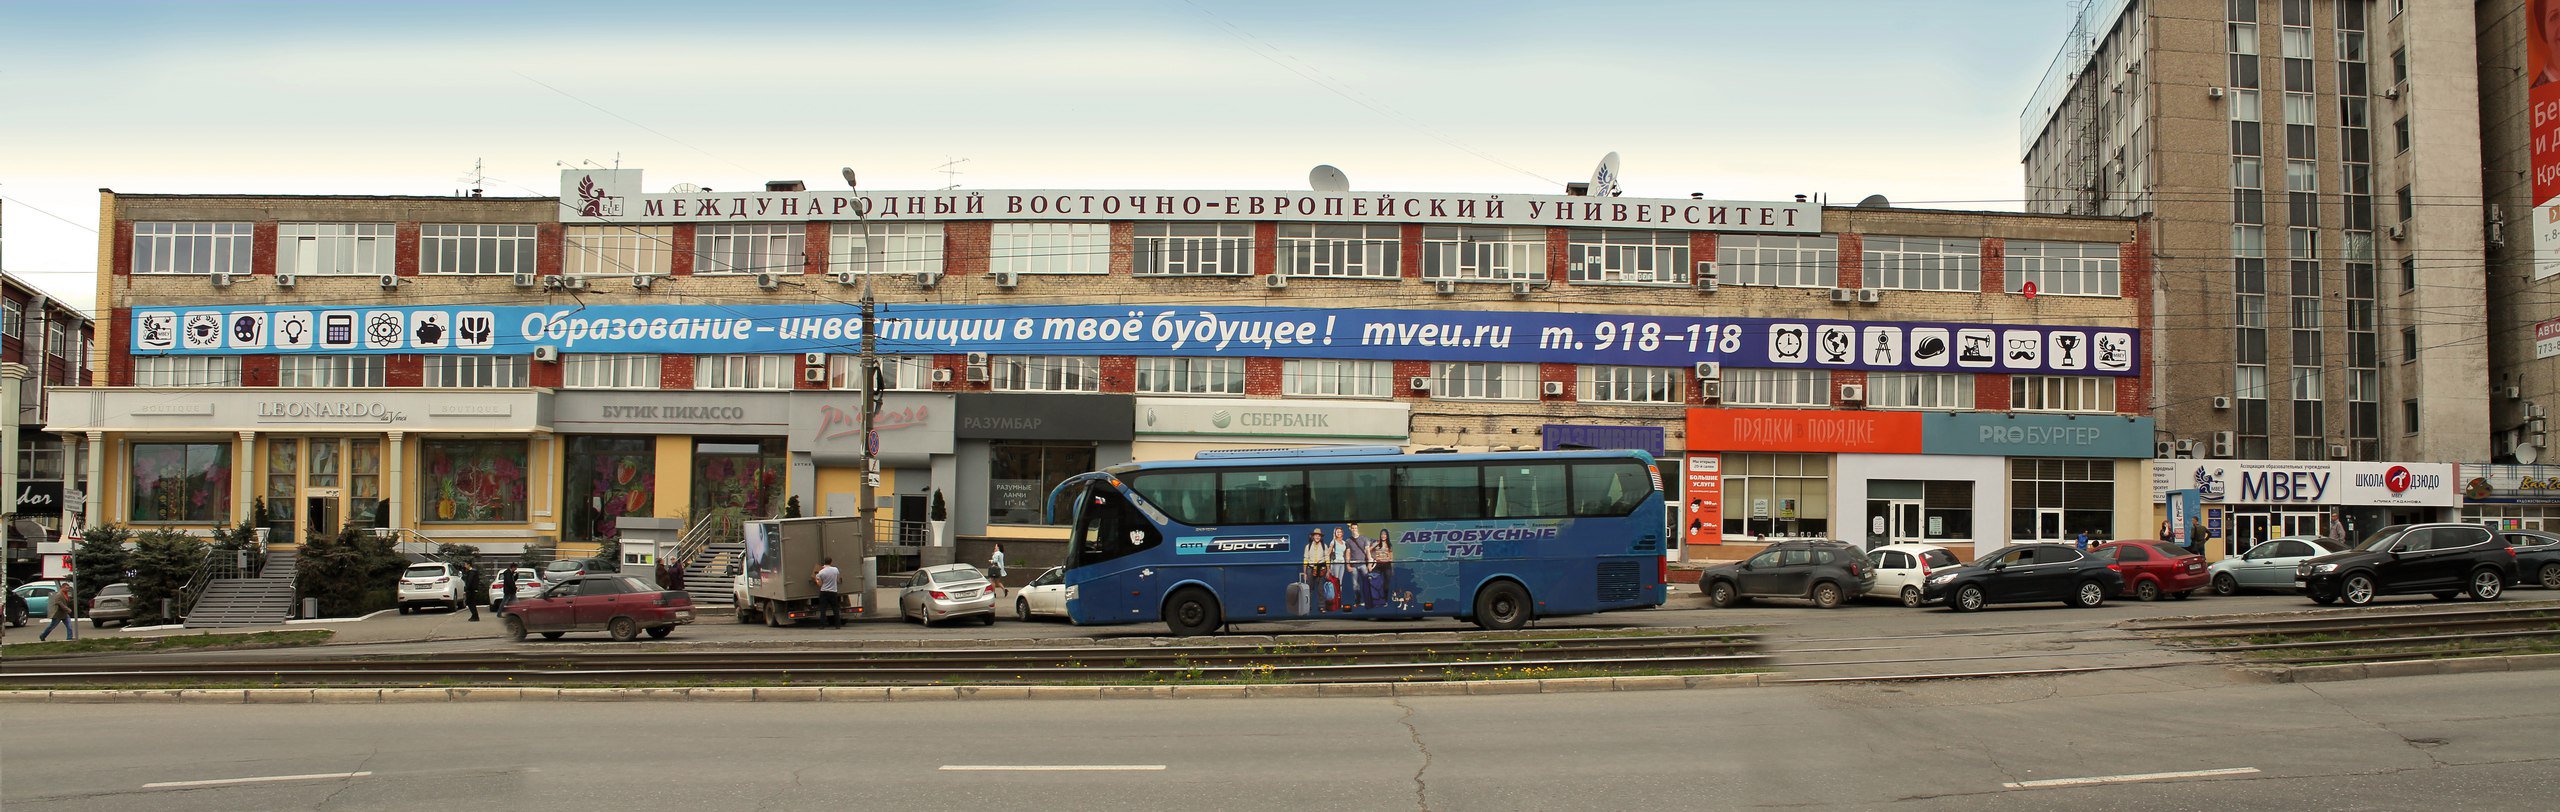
column 1806, row 430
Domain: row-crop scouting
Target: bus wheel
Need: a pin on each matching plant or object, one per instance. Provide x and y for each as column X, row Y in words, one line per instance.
column 1190, row 612
column 1502, row 606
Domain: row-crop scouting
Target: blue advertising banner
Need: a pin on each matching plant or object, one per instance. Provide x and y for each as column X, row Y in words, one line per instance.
column 2012, row 434
column 924, row 329
column 1563, row 436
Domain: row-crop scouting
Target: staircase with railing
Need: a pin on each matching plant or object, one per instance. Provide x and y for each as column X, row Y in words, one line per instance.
column 708, row 551
column 234, row 595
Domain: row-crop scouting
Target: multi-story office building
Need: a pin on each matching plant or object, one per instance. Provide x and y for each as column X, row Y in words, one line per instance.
column 51, row 341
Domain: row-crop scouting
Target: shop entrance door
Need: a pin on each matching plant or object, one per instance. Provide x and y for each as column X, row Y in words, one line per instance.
column 322, row 511
column 319, row 484
column 1907, row 526
column 2248, row 529
column 2049, row 524
column 2300, row 524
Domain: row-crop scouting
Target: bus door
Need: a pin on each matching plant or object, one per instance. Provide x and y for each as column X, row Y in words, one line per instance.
column 1107, row 529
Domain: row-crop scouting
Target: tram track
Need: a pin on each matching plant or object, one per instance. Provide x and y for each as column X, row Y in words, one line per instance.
column 2365, row 636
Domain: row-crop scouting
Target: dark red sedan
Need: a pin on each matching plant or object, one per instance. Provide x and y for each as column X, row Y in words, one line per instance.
column 617, row 604
column 2153, row 568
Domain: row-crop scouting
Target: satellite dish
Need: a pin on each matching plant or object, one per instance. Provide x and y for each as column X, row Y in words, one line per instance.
column 1325, row 178
column 2528, row 454
column 684, row 188
column 1604, row 178
column 1875, row 202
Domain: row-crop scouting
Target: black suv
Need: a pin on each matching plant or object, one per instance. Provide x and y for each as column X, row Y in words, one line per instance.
column 2537, row 557
column 1828, row 572
column 2025, row 572
column 2440, row 559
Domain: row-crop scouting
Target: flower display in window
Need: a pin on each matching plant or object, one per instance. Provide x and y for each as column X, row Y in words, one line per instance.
column 181, row 482
column 475, row 480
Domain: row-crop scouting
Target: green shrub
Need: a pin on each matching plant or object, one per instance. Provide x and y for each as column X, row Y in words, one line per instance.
column 99, row 560
column 351, row 572
column 163, row 561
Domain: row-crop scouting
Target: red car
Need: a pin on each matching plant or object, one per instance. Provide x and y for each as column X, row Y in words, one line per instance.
column 617, row 604
column 2153, row 568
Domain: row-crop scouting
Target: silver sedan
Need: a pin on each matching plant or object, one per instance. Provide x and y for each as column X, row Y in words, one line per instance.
column 948, row 591
column 2269, row 565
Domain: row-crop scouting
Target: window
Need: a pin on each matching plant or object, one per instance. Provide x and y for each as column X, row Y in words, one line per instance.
column 472, row 480
column 2062, row 393
column 191, row 248
column 2409, row 416
column 743, row 371
column 1262, row 497
column 2248, row 191
column 1362, row 494
column 1777, row 387
column 597, row 371
column 1369, row 252
column 186, row 370
column 739, row 474
column 899, row 372
column 2408, row 274
column 2399, row 59
column 1042, row 248
column 2400, row 130
column 616, row 250
column 1470, row 381
column 1516, row 491
column 2084, row 491
column 334, row 249
column 329, row 371
column 1923, row 263
column 753, row 249
column 1192, row 249
column 1191, row 376
column 1635, row 384
column 477, row 371
column 2409, row 345
column 885, row 248
column 1785, row 262
column 475, row 249
column 2408, row 206
column 1021, row 475
column 1919, row 390
column 1329, row 378
column 1484, row 253
column 11, row 317
column 181, row 482
column 1439, row 492
column 1047, row 373
column 1617, row 255
column 1609, row 488
column 1776, row 495
column 57, row 338
column 2065, row 268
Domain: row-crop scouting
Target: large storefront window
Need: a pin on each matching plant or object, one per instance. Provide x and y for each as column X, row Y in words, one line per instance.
column 1776, row 495
column 2055, row 500
column 1020, row 476
column 744, row 475
column 607, row 478
column 181, row 482
column 1913, row 510
column 473, row 480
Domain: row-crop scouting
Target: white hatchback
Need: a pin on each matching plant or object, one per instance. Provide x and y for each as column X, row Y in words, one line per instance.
column 1902, row 570
column 431, row 584
column 1045, row 596
column 528, row 584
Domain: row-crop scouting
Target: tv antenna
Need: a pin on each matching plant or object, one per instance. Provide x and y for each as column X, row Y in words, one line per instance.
column 477, row 177
column 950, row 170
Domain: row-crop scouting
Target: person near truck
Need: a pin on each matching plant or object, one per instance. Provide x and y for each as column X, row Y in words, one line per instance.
column 830, row 593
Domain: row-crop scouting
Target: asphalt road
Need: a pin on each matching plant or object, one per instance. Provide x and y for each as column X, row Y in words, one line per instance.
column 2464, row 741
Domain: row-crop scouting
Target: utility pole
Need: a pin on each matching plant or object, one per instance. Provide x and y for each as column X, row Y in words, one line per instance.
column 866, row 508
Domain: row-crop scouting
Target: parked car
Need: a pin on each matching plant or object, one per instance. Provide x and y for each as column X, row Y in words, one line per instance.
column 1826, row 572
column 434, row 583
column 619, row 605
column 16, row 614
column 2445, row 560
column 528, row 582
column 2537, row 557
column 38, row 595
column 1045, row 596
column 2152, row 569
column 2022, row 573
column 2268, row 565
column 948, row 591
column 113, row 602
column 1901, row 569
column 555, row 571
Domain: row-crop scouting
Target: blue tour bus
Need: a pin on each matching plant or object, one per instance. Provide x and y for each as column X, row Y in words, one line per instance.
column 1363, row 532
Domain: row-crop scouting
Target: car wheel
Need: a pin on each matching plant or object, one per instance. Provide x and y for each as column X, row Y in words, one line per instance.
column 2225, row 585
column 1021, row 609
column 2146, row 591
column 2487, row 584
column 661, row 632
column 515, row 628
column 1503, row 606
column 1721, row 594
column 1968, row 598
column 1826, row 595
column 623, row 629
column 2550, row 580
column 1911, row 596
column 1190, row 612
column 2356, row 590
column 552, row 635
column 988, row 619
column 2091, row 594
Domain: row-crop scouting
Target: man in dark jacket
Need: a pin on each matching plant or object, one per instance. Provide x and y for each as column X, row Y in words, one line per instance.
column 471, row 591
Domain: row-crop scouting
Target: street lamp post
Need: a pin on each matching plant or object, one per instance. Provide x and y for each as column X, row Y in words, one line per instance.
column 866, row 508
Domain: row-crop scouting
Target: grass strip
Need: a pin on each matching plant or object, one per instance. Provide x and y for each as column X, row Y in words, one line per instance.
column 177, row 642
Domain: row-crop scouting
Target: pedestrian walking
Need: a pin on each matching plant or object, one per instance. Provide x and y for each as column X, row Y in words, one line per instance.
column 830, row 593
column 57, row 613
column 471, row 591
column 995, row 568
column 507, row 589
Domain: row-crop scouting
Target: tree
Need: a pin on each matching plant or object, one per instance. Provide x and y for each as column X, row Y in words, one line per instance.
column 608, row 557
column 937, row 512
column 450, row 551
column 163, row 561
column 99, row 560
column 351, row 572
column 791, row 508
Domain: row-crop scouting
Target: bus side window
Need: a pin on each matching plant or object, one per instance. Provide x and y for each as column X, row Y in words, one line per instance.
column 1608, row 488
column 1110, row 527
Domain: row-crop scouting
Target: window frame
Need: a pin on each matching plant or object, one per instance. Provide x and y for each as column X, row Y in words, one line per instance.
column 1484, row 253
column 454, row 249
column 620, row 371
column 460, row 371
column 1943, row 263
column 887, row 248
column 1950, row 391
column 1340, row 250
column 1185, row 375
column 204, row 247
column 358, row 249
column 2066, row 394
column 186, row 371
column 1484, row 380
column 1372, row 379
column 1778, row 260
column 1612, row 383
column 1190, row 249
column 1781, row 388
column 1049, row 249
column 766, row 248
column 297, row 371
column 745, row 372
column 1044, row 373
column 617, row 250
column 2085, row 262
column 1617, row 256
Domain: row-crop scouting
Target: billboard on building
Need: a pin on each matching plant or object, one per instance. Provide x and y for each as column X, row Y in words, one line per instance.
column 2542, row 59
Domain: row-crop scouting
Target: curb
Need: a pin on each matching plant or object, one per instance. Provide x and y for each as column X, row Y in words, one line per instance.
column 2342, row 672
column 904, row 693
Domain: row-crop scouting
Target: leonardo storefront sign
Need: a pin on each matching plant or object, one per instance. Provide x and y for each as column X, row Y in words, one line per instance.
column 1314, row 420
column 283, row 409
column 327, row 411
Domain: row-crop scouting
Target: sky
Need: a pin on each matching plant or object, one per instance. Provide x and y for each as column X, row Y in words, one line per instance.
column 1917, row 100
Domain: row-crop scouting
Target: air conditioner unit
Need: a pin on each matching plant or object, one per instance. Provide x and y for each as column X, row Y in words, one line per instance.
column 1445, row 287
column 815, row 359
column 926, row 279
column 2399, row 232
column 976, row 374
column 1708, row 274
column 1843, row 295
column 2222, row 444
column 976, row 359
column 845, row 277
column 389, row 281
column 546, row 353
column 2515, row 392
column 942, row 376
column 643, row 281
column 2221, row 404
column 2213, row 93
column 1711, row 390
column 2533, row 410
column 1853, row 393
column 1419, row 383
column 2337, row 451
column 285, row 280
column 1555, row 389
column 768, row 281
column 2392, row 92
column 2187, row 448
column 814, row 374
column 526, row 280
column 554, row 282
column 976, row 367
column 572, row 282
column 222, row 280
column 1275, row 281
column 1007, row 279
column 1710, row 370
column 1520, row 290
column 2162, row 449
column 1870, row 295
